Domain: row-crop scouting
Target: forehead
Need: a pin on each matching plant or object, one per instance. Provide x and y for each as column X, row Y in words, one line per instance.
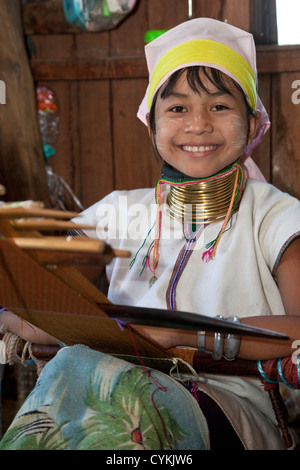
column 199, row 80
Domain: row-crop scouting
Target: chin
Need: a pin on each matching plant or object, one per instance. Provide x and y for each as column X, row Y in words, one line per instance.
column 200, row 174
column 204, row 172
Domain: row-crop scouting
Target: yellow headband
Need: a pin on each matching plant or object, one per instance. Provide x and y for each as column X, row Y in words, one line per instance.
column 210, row 53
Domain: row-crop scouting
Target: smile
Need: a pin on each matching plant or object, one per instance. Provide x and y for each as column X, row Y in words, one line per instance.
column 200, row 148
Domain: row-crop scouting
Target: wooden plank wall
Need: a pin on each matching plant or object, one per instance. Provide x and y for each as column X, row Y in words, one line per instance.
column 102, row 145
column 285, row 137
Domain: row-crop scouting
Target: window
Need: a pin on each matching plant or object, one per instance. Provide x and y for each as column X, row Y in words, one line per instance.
column 288, row 14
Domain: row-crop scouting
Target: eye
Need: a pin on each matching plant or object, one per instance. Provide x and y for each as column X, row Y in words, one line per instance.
column 219, row 107
column 178, row 109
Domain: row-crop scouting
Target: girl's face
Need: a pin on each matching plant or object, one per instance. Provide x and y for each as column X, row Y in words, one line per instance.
column 200, row 133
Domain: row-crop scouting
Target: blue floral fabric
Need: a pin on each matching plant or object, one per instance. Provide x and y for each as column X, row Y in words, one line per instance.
column 87, row 400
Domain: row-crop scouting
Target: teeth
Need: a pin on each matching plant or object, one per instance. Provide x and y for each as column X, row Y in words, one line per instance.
column 201, row 148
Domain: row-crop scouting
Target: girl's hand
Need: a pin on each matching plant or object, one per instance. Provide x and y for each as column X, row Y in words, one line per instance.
column 14, row 324
column 251, row 348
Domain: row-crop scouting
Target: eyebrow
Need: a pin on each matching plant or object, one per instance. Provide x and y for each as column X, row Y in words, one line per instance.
column 175, row 94
column 220, row 93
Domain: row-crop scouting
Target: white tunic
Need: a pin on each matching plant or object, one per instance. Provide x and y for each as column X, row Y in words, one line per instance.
column 239, row 281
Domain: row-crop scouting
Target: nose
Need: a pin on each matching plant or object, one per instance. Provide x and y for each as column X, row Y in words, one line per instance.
column 198, row 123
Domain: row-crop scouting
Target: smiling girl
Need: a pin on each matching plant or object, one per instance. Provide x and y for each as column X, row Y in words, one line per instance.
column 200, row 127
column 221, row 241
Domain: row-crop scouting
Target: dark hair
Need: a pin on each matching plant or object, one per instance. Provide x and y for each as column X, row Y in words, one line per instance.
column 215, row 76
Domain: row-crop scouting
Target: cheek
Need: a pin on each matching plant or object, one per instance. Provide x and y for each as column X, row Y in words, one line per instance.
column 237, row 131
column 165, row 134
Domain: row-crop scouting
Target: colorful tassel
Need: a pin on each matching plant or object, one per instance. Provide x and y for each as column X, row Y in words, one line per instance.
column 212, row 246
column 151, row 259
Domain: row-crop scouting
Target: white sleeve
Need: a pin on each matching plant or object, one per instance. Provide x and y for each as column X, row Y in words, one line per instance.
column 278, row 214
column 97, row 216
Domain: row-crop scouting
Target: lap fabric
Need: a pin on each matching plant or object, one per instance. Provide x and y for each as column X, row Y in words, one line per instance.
column 87, row 400
column 221, row 433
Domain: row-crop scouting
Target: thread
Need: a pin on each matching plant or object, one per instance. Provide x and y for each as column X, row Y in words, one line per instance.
column 156, row 383
column 287, row 372
column 218, row 194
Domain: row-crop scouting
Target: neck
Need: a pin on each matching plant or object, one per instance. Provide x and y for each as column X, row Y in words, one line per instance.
column 204, row 200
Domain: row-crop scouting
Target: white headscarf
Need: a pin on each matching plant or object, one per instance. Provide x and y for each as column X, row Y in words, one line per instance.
column 212, row 43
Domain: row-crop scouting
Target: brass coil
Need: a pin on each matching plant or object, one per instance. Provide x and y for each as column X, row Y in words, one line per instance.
column 203, row 201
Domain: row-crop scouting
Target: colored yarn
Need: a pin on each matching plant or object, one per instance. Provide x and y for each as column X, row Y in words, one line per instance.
column 172, row 296
column 287, row 372
column 235, row 199
column 151, row 258
column 212, row 246
column 179, row 268
column 266, row 373
column 146, row 257
column 156, row 383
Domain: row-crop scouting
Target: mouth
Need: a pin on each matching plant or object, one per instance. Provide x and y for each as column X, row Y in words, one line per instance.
column 199, row 149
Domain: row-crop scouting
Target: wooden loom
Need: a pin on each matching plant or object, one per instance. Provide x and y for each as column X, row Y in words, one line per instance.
column 56, row 297
column 40, row 284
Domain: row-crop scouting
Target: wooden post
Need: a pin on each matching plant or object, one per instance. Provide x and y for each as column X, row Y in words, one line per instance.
column 22, row 168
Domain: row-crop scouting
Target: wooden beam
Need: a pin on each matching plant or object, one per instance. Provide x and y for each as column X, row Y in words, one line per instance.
column 72, row 69
column 270, row 59
column 278, row 59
